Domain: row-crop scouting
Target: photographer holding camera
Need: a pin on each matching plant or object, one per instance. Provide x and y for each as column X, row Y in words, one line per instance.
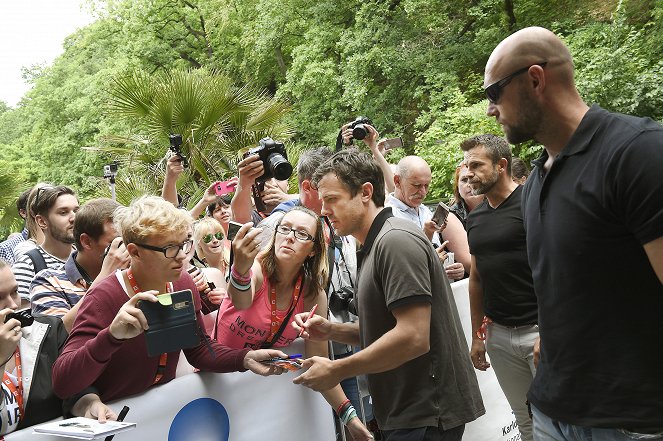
column 263, row 174
column 362, row 128
column 28, row 348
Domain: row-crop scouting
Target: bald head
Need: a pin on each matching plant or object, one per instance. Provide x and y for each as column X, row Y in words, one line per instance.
column 527, row 47
column 412, row 180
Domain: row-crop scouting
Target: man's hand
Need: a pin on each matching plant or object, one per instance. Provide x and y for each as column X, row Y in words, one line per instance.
column 253, row 358
column 249, row 169
column 537, row 351
column 431, row 227
column 174, row 167
column 316, row 329
column 320, row 376
column 358, row 431
column 117, row 257
column 370, row 140
column 455, row 271
column 273, row 195
column 10, row 335
column 130, row 320
column 478, row 355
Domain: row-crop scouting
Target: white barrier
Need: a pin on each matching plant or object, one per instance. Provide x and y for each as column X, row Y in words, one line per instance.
column 246, row 407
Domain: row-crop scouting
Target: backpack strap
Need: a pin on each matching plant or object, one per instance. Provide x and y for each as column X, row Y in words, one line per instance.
column 38, row 261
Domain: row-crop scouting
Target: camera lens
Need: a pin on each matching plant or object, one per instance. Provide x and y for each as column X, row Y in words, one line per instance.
column 281, row 168
column 359, row 132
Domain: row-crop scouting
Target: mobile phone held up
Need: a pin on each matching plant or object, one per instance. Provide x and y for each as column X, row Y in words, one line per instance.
column 223, row 188
column 441, row 214
column 233, row 228
column 393, row 143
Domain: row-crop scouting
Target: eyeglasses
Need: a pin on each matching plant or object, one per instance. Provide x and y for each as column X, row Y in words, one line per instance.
column 210, row 237
column 300, row 235
column 171, row 251
column 41, row 190
column 494, row 91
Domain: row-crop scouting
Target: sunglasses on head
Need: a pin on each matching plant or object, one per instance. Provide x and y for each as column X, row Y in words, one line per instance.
column 209, row 237
column 494, row 91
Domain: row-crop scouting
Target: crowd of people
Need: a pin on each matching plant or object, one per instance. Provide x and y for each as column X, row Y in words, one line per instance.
column 564, row 268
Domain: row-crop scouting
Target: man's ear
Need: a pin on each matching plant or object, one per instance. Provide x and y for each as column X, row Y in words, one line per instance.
column 397, row 181
column 85, row 241
column 132, row 249
column 366, row 191
column 306, row 185
column 42, row 221
column 502, row 163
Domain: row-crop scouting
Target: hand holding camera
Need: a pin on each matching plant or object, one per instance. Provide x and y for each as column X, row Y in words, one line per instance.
column 115, row 257
column 10, row 331
column 175, row 147
column 246, row 245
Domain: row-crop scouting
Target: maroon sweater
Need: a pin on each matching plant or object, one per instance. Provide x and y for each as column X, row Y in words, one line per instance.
column 119, row 368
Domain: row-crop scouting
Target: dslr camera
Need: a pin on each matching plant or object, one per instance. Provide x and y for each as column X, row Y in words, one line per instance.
column 358, row 126
column 274, row 160
column 24, row 316
column 175, row 144
column 342, row 300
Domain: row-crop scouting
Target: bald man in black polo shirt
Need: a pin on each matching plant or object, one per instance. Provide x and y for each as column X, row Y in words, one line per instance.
column 593, row 214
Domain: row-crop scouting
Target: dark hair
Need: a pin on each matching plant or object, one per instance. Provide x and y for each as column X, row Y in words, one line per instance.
column 22, row 201
column 225, row 200
column 45, row 198
column 353, row 169
column 519, row 168
column 92, row 217
column 310, row 160
column 497, row 148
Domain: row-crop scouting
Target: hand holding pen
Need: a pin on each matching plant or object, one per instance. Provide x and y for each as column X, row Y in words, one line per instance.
column 311, row 326
column 120, row 417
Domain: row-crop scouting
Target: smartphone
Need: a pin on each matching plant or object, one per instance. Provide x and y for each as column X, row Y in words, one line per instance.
column 393, row 143
column 441, row 213
column 223, row 188
column 233, row 228
column 292, row 363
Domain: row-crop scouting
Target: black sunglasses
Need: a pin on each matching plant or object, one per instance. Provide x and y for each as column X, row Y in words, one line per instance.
column 494, row 91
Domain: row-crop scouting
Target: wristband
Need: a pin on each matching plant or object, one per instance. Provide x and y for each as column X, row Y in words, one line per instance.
column 241, row 277
column 339, row 411
column 238, row 285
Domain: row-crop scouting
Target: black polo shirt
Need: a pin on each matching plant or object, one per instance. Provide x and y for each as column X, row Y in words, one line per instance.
column 600, row 301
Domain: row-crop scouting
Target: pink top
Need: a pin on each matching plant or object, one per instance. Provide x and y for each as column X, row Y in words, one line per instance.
column 249, row 328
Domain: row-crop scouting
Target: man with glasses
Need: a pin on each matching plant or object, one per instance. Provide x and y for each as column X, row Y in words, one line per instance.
column 412, row 180
column 593, row 215
column 54, row 210
column 107, row 346
column 99, row 252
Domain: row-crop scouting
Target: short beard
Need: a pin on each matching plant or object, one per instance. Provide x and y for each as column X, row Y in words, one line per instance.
column 485, row 187
column 62, row 236
column 529, row 121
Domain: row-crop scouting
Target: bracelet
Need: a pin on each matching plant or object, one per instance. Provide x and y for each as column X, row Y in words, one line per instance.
column 349, row 414
column 339, row 411
column 238, row 285
column 241, row 277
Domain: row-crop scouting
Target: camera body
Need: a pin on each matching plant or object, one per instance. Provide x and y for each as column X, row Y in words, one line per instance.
column 110, row 170
column 342, row 300
column 274, row 160
column 24, row 316
column 175, row 144
column 359, row 131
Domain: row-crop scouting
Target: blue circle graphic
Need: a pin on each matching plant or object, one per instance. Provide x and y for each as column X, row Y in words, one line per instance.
column 204, row 419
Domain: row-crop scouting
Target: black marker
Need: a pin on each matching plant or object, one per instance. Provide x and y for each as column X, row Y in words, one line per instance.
column 120, row 417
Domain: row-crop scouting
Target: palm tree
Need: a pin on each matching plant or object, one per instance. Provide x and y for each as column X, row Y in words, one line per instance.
column 217, row 121
column 12, row 186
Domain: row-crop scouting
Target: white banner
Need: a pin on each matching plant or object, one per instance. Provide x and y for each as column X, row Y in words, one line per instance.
column 247, row 407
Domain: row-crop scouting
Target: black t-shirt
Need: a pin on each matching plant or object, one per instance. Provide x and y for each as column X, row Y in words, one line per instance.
column 600, row 301
column 497, row 242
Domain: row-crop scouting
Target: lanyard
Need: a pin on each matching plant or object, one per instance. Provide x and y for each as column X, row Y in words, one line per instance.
column 163, row 358
column 272, row 299
column 17, row 392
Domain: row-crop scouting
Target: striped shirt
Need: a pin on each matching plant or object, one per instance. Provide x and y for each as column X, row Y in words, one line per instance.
column 24, row 270
column 419, row 215
column 55, row 292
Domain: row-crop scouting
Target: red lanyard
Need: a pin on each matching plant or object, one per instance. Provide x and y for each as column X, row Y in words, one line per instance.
column 17, row 392
column 163, row 358
column 272, row 298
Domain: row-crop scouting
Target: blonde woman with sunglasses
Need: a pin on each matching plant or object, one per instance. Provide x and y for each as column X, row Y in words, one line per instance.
column 213, row 249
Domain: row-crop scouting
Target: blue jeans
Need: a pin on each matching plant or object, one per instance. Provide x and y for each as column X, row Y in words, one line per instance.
column 546, row 429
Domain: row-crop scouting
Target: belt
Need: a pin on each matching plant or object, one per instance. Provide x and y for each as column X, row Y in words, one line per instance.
column 514, row 326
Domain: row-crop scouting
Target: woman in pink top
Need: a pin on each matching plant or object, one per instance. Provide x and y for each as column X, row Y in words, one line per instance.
column 287, row 278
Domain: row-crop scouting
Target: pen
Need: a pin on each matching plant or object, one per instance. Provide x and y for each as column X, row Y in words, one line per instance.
column 120, row 417
column 310, row 314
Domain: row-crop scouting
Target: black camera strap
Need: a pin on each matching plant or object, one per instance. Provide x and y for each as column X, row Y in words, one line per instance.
column 335, row 242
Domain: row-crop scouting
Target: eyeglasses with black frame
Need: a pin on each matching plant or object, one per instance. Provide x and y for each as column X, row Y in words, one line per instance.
column 209, row 237
column 40, row 190
column 300, row 235
column 494, row 91
column 170, row 251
